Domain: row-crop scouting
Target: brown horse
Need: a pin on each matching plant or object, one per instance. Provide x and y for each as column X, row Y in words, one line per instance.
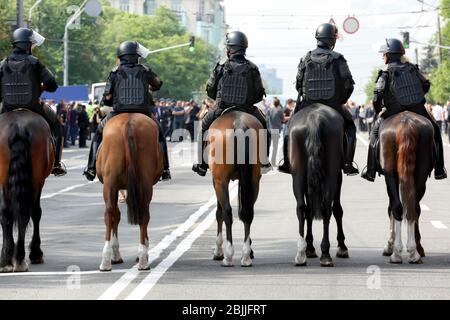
column 407, row 159
column 26, row 160
column 130, row 158
column 234, row 154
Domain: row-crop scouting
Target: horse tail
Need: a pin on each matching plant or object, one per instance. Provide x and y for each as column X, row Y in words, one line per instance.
column 20, row 175
column 315, row 167
column 245, row 170
column 406, row 139
column 135, row 195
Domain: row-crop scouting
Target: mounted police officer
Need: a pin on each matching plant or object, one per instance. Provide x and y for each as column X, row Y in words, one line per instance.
column 23, row 79
column 128, row 91
column 400, row 87
column 324, row 77
column 235, row 83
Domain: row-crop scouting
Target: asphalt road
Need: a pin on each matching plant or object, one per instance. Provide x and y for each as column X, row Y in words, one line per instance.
column 182, row 236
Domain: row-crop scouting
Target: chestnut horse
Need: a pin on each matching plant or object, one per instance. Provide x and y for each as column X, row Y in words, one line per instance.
column 316, row 154
column 26, row 160
column 407, row 159
column 130, row 158
column 234, row 154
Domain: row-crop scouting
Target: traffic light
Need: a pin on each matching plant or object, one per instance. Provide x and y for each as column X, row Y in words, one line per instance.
column 406, row 40
column 192, row 44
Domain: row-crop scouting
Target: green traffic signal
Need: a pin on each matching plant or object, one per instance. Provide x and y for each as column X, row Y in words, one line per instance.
column 191, row 49
column 192, row 44
column 406, row 40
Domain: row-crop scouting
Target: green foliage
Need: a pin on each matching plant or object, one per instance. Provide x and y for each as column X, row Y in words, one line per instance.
column 440, row 89
column 92, row 48
column 429, row 61
column 370, row 86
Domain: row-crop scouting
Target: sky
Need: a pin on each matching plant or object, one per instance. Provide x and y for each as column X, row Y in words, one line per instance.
column 280, row 32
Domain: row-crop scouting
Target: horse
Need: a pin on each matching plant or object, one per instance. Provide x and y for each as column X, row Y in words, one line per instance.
column 316, row 155
column 26, row 160
column 129, row 158
column 407, row 158
column 235, row 154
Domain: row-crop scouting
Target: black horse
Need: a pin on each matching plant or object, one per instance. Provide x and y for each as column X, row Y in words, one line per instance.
column 316, row 152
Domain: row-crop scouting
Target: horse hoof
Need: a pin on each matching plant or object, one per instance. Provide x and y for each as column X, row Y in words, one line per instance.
column 252, row 255
column 326, row 262
column 37, row 260
column 6, row 269
column 144, row 268
column 342, row 254
column 417, row 262
column 311, row 254
column 421, row 251
column 218, row 258
column 387, row 253
column 227, row 263
column 396, row 259
column 22, row 267
column 246, row 262
column 105, row 268
column 120, row 261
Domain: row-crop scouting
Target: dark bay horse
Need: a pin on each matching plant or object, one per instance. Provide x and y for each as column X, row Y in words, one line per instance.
column 316, row 155
column 130, row 158
column 26, row 160
column 407, row 159
column 235, row 154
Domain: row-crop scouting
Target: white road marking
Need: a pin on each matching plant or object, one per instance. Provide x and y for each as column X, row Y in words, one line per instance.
column 424, row 207
column 439, row 225
column 114, row 290
column 446, row 144
column 75, row 158
column 57, row 273
column 150, row 281
column 363, row 140
column 76, row 167
column 52, row 195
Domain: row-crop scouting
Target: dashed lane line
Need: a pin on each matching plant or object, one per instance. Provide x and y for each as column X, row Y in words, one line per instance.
column 152, row 279
column 52, row 195
column 439, row 225
column 116, row 289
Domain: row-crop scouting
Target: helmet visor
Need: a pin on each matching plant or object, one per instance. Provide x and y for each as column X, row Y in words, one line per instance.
column 142, row 51
column 37, row 39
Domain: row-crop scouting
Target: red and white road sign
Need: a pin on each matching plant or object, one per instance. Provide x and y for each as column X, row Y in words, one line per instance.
column 351, row 25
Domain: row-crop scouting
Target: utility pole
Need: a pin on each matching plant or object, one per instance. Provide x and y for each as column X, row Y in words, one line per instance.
column 417, row 55
column 439, row 36
column 20, row 22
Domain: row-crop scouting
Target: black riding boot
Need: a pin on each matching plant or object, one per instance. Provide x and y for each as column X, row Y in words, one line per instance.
column 91, row 171
column 350, row 148
column 440, row 173
column 369, row 173
column 163, row 145
column 201, row 168
column 57, row 133
column 286, row 166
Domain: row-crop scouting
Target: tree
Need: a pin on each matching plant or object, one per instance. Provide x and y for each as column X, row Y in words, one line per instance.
column 370, row 86
column 429, row 61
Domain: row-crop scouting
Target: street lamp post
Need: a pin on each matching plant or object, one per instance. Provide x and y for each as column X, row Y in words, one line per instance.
column 30, row 12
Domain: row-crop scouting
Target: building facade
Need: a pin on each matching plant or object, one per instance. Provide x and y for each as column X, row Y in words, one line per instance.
column 203, row 18
column 274, row 85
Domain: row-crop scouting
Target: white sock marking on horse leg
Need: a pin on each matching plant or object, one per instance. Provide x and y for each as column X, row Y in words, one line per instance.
column 301, row 258
column 106, row 257
column 143, row 258
column 246, row 251
column 229, row 253
column 218, row 251
column 22, row 267
column 115, row 249
column 398, row 246
column 389, row 249
column 414, row 256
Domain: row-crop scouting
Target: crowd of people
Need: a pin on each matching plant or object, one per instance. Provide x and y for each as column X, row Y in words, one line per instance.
column 80, row 121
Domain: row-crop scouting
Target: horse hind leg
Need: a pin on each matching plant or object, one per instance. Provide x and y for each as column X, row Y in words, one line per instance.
column 301, row 257
column 110, row 196
column 218, row 250
column 325, row 259
column 338, row 213
column 389, row 248
column 224, row 200
column 396, row 213
column 36, row 254
column 116, row 258
column 414, row 256
column 6, row 259
column 144, row 264
column 20, row 264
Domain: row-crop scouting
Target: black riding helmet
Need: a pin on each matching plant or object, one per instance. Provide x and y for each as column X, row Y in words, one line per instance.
column 236, row 42
column 326, row 35
column 24, row 38
column 131, row 51
column 393, row 49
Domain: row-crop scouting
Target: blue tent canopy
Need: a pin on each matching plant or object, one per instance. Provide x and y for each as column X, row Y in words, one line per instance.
column 68, row 93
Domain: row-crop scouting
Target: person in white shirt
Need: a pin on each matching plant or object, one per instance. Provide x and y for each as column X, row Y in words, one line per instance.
column 438, row 114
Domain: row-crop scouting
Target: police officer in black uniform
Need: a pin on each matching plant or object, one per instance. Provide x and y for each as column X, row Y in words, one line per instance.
column 23, row 79
column 324, row 77
column 128, row 91
column 400, row 87
column 235, row 83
